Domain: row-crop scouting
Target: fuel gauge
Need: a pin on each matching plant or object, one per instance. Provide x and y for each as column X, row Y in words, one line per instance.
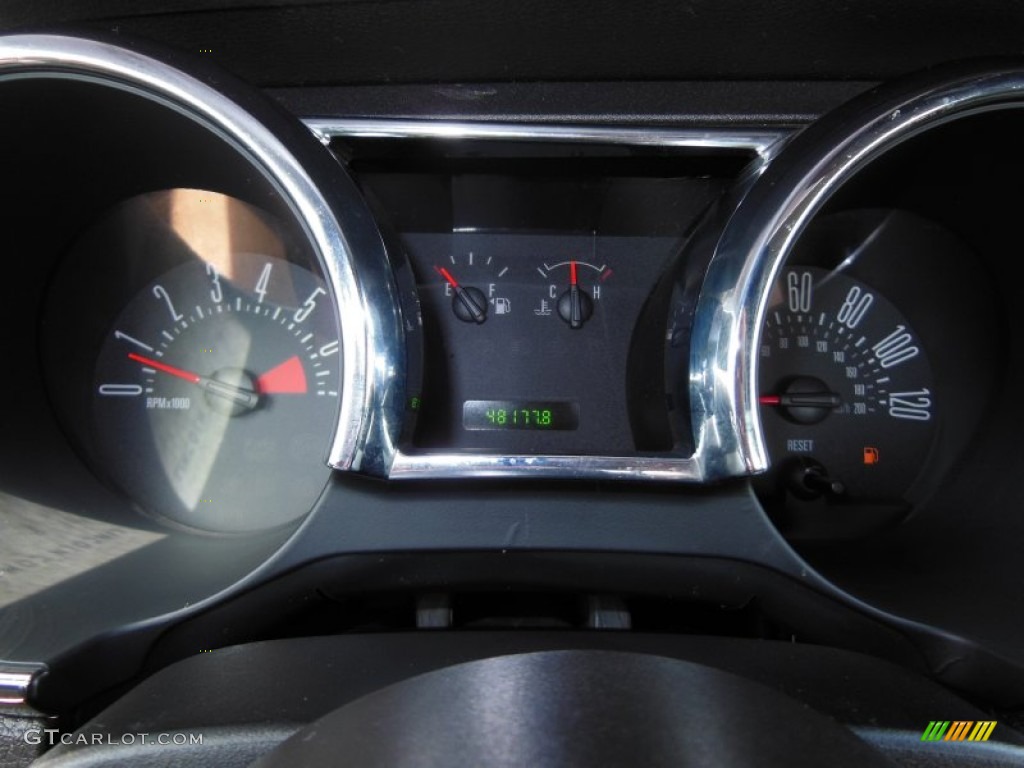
column 472, row 283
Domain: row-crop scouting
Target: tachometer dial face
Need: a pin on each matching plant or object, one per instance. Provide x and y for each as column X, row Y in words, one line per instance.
column 214, row 393
column 846, row 392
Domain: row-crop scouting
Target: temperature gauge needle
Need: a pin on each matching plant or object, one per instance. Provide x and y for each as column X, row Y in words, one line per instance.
column 575, row 310
column 468, row 303
column 575, row 305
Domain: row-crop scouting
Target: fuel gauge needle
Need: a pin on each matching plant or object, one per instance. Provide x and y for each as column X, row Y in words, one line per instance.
column 469, row 303
column 246, row 398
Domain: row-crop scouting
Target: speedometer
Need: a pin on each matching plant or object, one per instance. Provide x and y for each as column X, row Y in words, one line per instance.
column 846, row 392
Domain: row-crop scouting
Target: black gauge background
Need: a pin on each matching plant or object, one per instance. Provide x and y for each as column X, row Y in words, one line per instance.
column 125, row 250
column 936, row 282
column 525, row 357
column 840, row 436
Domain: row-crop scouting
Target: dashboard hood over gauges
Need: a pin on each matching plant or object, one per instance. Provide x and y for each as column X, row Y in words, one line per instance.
column 294, row 385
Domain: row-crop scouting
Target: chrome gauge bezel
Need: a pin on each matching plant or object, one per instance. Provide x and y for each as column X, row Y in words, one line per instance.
column 714, row 457
column 329, row 209
column 773, row 213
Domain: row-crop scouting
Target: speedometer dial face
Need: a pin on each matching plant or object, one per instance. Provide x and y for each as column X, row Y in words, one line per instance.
column 846, row 392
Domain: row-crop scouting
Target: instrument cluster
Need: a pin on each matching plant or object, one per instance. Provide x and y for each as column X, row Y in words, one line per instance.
column 540, row 303
column 751, row 365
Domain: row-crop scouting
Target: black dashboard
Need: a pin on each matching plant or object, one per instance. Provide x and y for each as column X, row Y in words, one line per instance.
column 371, row 366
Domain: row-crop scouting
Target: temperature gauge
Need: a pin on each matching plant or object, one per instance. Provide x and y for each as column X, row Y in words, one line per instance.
column 574, row 290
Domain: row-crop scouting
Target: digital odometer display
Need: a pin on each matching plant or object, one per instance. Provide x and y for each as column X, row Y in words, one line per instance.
column 520, row 414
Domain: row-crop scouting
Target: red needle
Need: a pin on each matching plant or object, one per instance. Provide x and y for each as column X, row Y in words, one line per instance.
column 193, row 378
column 472, row 302
column 241, row 396
column 572, row 272
column 448, row 277
column 769, row 400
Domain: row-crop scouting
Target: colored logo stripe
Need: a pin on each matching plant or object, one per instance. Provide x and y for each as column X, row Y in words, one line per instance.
column 958, row 730
column 935, row 731
column 982, row 730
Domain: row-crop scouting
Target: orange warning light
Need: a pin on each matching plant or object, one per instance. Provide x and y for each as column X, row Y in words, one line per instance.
column 870, row 455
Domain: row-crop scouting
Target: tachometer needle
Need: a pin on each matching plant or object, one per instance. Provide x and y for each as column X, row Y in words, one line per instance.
column 188, row 376
column 241, row 396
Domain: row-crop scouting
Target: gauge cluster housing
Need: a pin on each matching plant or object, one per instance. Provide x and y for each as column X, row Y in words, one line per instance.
column 744, row 378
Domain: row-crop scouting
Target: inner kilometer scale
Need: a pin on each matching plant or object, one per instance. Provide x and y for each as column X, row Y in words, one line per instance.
column 214, row 393
column 846, row 391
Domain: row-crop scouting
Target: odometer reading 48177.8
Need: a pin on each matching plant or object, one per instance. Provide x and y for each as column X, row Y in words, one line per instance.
column 519, row 414
column 846, row 390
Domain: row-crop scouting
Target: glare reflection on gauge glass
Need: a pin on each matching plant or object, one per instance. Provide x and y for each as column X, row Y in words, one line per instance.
column 217, row 384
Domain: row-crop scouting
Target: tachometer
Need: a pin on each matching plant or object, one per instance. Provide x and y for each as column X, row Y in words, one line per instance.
column 194, row 354
column 846, row 392
column 212, row 393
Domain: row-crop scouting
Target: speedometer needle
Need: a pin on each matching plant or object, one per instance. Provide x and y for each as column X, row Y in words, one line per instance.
column 246, row 398
column 803, row 399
